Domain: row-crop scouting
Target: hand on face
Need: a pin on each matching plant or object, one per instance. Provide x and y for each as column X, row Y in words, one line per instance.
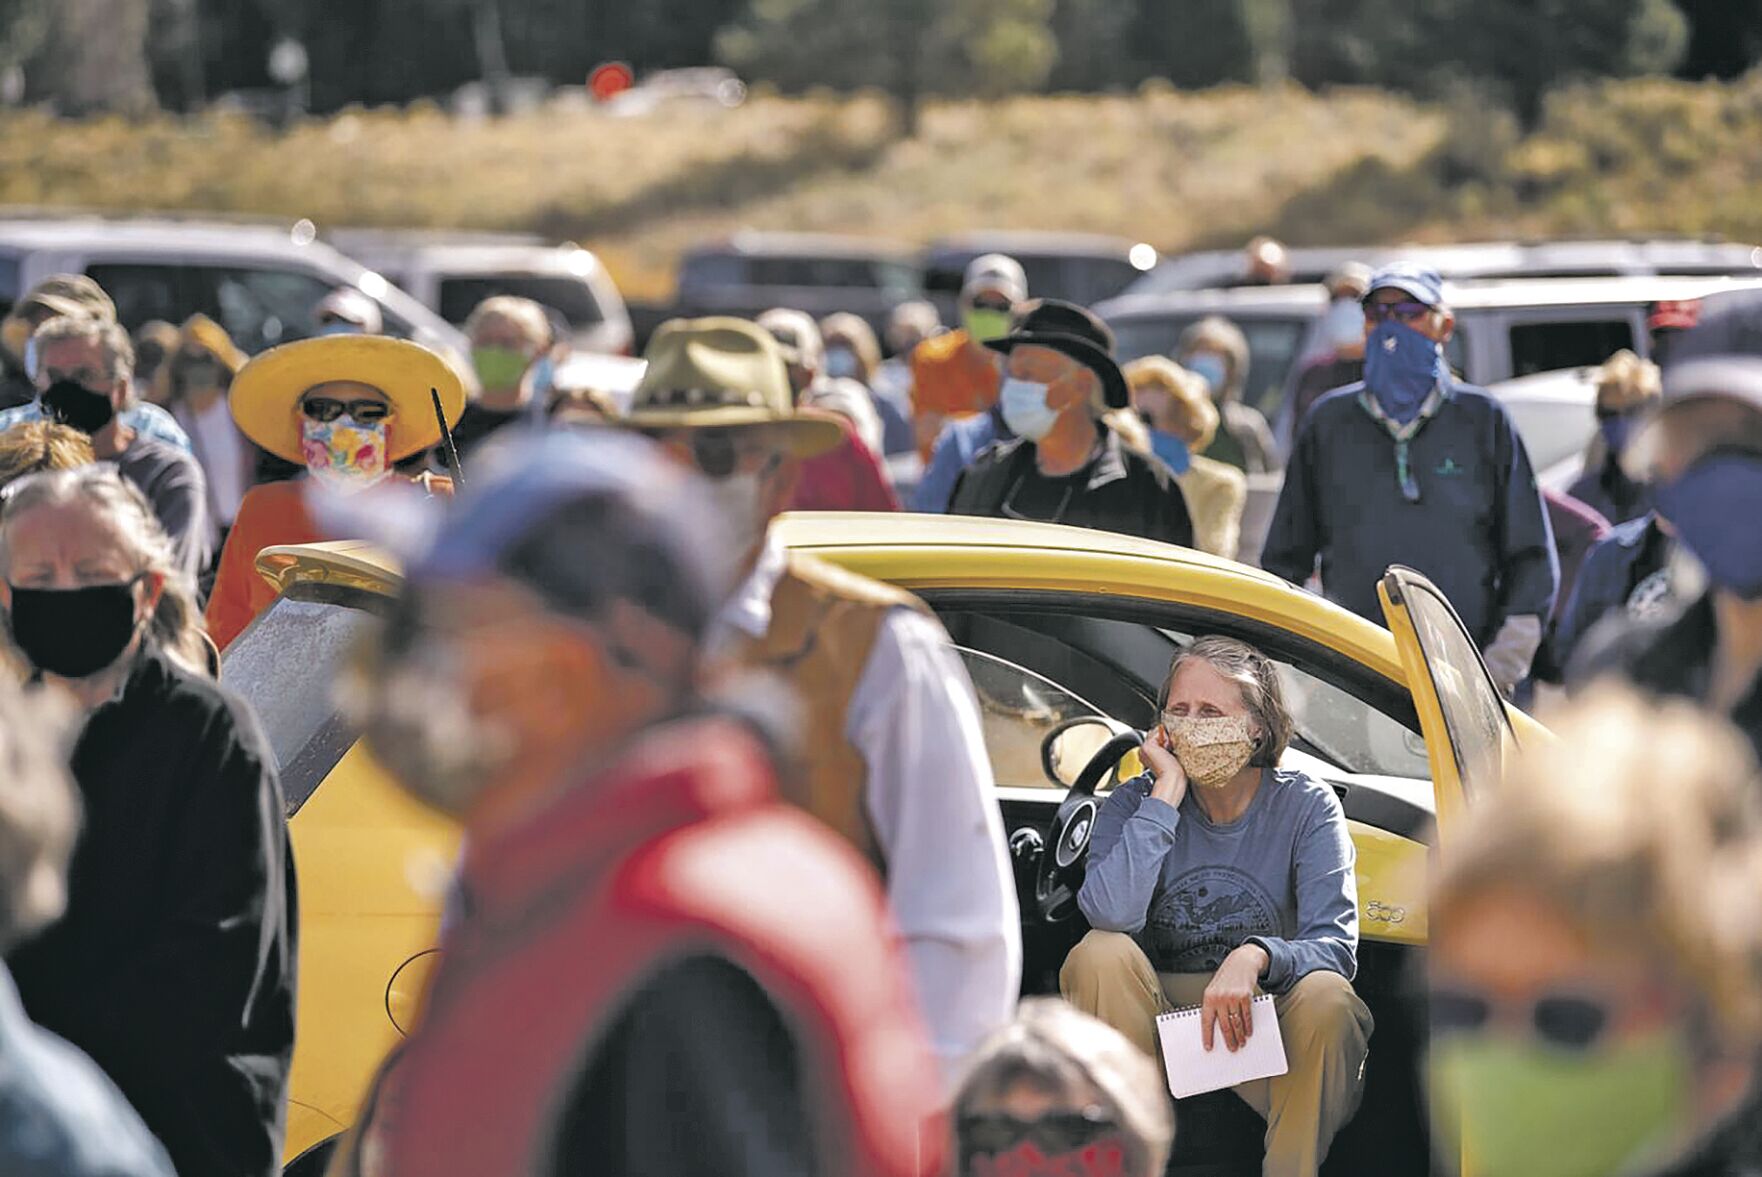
column 1171, row 779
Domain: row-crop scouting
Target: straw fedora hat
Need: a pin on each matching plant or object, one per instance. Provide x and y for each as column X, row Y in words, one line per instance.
column 266, row 393
column 724, row 373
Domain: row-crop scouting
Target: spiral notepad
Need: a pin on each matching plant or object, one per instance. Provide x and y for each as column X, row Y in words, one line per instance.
column 1192, row 1069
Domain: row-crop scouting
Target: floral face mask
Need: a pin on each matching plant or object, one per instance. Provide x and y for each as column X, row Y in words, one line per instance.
column 343, row 453
column 1211, row 751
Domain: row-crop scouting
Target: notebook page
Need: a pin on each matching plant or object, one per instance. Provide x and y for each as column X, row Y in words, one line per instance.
column 1192, row 1069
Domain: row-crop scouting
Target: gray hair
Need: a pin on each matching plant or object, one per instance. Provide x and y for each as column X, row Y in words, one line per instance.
column 101, row 488
column 1255, row 675
column 39, row 811
column 525, row 314
column 1064, row 1052
column 112, row 339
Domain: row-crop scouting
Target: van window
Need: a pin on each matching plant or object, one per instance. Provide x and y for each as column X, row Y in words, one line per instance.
column 713, row 269
column 570, row 296
column 261, row 308
column 1548, row 347
column 143, row 292
column 8, row 281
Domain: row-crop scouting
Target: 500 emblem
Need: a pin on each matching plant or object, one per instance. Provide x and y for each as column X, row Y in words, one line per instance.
column 1378, row 912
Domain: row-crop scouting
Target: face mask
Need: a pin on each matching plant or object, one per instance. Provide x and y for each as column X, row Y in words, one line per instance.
column 1343, row 325
column 1024, row 408
column 68, row 402
column 1616, row 430
column 742, row 496
column 841, row 363
column 498, row 367
column 1401, row 367
column 985, row 325
column 344, row 454
column 73, row 633
column 1104, row 1158
column 1706, row 506
column 1211, row 751
column 1171, row 449
column 15, row 336
column 1210, row 368
column 1525, row 1109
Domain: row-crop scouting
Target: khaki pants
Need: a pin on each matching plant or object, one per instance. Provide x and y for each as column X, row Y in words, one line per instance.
column 1325, row 1027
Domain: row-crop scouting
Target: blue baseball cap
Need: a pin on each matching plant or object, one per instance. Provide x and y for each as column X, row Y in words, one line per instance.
column 1422, row 282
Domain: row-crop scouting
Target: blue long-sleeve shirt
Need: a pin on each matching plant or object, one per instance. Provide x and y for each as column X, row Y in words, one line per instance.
column 1190, row 892
column 956, row 446
column 1479, row 529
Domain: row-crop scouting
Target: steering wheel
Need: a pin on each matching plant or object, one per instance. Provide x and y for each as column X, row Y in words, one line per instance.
column 1067, row 845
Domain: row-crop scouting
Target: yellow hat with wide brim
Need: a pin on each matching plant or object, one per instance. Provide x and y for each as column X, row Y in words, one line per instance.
column 724, row 373
column 265, row 395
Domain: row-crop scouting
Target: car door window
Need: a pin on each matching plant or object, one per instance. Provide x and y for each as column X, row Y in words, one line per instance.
column 144, row 291
column 1548, row 347
column 263, row 307
column 1018, row 709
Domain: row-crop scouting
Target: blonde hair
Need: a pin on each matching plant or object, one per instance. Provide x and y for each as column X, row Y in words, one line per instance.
column 39, row 811
column 177, row 623
column 1255, row 676
column 1642, row 824
column 109, row 335
column 1216, row 333
column 35, row 446
column 1185, row 389
column 1062, row 1051
column 855, row 333
column 522, row 312
column 1625, row 381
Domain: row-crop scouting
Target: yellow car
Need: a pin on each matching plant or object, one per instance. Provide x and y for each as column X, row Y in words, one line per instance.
column 1066, row 634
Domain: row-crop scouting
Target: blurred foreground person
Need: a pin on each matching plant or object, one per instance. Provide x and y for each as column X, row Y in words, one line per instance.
column 1596, row 955
column 1182, row 421
column 1216, row 876
column 1341, row 331
column 1628, row 389
column 1216, row 350
column 1702, row 456
column 1058, row 1093
column 85, row 371
column 1411, row 467
column 660, row 968
column 174, row 965
column 69, row 296
column 59, row 1115
column 193, row 383
column 36, row 446
column 894, row 758
column 1065, row 465
column 955, row 374
column 347, row 409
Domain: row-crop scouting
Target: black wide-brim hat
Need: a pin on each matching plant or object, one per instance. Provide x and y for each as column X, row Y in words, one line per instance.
column 1076, row 332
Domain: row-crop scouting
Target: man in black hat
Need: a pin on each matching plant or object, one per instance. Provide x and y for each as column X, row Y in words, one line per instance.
column 1065, row 465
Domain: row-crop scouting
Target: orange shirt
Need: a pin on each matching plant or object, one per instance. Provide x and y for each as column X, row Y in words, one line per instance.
column 270, row 514
column 951, row 379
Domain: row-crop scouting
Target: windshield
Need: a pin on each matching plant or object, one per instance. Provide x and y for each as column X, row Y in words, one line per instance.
column 1018, row 709
column 1474, row 713
column 284, row 666
column 571, row 297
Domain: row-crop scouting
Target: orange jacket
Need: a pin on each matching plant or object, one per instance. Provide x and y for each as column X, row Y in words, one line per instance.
column 951, row 379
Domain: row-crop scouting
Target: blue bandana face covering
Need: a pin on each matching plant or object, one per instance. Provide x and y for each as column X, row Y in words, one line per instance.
column 1707, row 505
column 1616, row 430
column 1401, row 367
column 1171, row 449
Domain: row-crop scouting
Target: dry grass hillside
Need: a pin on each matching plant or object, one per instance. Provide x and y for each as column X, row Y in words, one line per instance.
column 1178, row 169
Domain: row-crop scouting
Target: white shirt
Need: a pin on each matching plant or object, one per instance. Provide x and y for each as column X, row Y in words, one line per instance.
column 915, row 721
column 221, row 449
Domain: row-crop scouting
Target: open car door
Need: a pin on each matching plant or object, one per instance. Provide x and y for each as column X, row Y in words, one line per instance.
column 1467, row 731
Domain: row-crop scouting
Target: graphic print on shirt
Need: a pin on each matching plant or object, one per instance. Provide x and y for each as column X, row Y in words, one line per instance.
column 1204, row 915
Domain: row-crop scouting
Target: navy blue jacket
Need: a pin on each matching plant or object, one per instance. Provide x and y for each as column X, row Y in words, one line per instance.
column 1479, row 530
column 1613, row 569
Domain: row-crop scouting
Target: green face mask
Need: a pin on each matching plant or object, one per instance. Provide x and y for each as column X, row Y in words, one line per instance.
column 1516, row 1108
column 984, row 325
column 498, row 367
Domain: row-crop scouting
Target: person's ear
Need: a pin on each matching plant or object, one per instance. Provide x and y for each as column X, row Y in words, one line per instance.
column 147, row 593
column 1445, row 325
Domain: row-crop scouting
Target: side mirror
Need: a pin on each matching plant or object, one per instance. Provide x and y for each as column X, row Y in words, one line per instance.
column 1071, row 745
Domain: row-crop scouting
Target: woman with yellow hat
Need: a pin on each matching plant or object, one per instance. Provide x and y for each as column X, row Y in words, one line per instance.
column 346, row 407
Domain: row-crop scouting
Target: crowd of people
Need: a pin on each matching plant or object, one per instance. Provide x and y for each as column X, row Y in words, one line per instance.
column 735, row 897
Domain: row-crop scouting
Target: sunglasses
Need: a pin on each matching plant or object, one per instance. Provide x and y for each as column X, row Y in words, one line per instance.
column 1407, row 312
column 1055, row 1132
column 988, row 303
column 1569, row 1021
column 325, row 409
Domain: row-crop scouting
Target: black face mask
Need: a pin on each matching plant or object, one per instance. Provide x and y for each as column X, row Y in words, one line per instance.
column 73, row 632
column 68, row 402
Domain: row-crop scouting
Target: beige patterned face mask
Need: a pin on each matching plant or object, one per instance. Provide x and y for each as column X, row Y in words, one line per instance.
column 1211, row 751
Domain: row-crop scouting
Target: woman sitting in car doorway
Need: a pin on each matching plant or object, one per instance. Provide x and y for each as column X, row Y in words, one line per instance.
column 1217, row 876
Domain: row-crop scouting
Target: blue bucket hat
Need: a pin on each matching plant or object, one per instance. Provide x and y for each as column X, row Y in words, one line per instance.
column 1422, row 282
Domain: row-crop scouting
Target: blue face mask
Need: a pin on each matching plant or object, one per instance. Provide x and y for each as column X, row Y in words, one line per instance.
column 1708, row 506
column 1210, row 367
column 1024, row 408
column 1616, row 430
column 1401, row 367
column 1171, row 449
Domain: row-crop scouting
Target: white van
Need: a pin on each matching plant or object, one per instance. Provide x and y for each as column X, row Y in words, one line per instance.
column 259, row 281
column 451, row 273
